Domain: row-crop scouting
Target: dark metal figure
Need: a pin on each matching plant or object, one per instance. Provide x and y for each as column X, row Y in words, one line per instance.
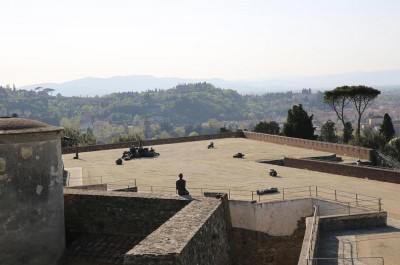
column 181, row 185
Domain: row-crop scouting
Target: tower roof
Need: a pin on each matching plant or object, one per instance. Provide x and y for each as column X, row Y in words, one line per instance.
column 19, row 125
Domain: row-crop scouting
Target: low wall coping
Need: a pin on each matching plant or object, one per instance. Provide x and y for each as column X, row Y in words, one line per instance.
column 173, row 236
column 161, row 196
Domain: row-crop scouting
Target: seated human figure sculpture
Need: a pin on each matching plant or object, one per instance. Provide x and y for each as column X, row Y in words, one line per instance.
column 181, row 186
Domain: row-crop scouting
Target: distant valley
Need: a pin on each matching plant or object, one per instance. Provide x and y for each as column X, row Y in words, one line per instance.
column 95, row 86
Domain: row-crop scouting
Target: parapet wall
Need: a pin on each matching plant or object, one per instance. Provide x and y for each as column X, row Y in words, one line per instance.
column 117, row 213
column 352, row 222
column 344, row 169
column 90, row 148
column 198, row 234
column 341, row 149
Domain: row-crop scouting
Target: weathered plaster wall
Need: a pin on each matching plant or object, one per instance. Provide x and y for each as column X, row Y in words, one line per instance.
column 31, row 199
column 278, row 218
column 199, row 234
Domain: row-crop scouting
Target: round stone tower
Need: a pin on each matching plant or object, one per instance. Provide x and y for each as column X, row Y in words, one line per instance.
column 31, row 193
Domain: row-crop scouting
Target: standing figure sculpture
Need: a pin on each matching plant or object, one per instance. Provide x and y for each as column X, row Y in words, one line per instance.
column 181, row 185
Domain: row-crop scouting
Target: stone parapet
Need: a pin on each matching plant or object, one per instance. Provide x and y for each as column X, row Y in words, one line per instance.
column 380, row 174
column 341, row 149
column 198, row 234
column 91, row 148
column 98, row 212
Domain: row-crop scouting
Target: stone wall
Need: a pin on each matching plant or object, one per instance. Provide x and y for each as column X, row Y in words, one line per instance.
column 198, row 234
column 31, row 199
column 352, row 222
column 344, row 169
column 118, row 213
column 90, row 148
column 252, row 247
column 341, row 149
column 102, row 187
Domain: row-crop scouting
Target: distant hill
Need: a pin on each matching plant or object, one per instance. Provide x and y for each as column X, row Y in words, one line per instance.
column 92, row 86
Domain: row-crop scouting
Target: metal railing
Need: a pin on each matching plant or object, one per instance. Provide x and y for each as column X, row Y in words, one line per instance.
column 347, row 202
column 311, row 240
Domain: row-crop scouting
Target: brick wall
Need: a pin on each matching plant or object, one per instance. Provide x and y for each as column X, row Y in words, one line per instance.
column 341, row 149
column 253, row 247
column 344, row 169
column 119, row 213
column 90, row 148
column 198, row 234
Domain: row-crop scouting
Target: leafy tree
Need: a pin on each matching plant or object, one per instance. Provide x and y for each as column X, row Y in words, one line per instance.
column 164, row 135
column 166, row 126
column 122, row 138
column 193, row 134
column 387, row 129
column 178, row 132
column 370, row 139
column 223, row 130
column 299, row 124
column 347, row 132
column 271, row 127
column 71, row 137
column 88, row 139
column 361, row 96
column 393, row 148
column 338, row 99
column 328, row 132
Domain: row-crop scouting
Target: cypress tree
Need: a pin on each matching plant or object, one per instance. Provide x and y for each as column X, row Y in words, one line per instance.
column 387, row 127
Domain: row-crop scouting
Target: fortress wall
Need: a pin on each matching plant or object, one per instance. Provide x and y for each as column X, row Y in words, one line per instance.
column 117, row 213
column 344, row 169
column 91, row 148
column 341, row 149
column 198, row 234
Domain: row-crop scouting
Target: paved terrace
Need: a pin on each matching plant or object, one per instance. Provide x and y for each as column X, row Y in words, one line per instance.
column 216, row 169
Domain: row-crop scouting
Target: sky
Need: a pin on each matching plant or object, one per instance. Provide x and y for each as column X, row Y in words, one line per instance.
column 55, row 41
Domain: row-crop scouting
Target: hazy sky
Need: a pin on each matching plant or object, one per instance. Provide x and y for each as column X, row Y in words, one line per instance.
column 55, row 41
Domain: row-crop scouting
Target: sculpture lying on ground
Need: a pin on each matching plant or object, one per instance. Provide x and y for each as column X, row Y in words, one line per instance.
column 137, row 152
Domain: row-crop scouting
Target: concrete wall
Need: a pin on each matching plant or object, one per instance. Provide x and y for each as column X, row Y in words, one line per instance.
column 31, row 199
column 91, row 148
column 198, row 234
column 341, row 149
column 311, row 231
column 278, row 218
column 345, row 170
column 118, row 213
